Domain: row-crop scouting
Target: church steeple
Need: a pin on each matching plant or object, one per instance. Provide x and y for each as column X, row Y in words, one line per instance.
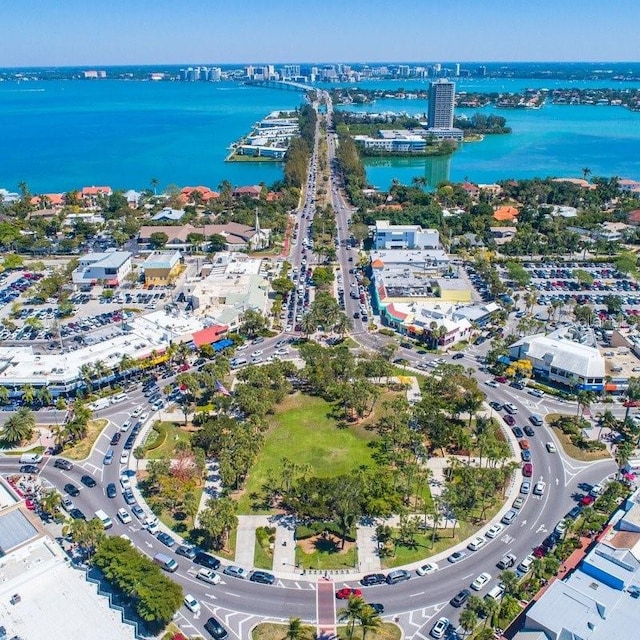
column 257, row 222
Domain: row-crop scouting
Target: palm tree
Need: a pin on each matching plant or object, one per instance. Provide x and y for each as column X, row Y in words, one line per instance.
column 154, row 184
column 294, row 629
column 19, row 427
column 351, row 613
column 28, row 393
column 43, row 395
column 586, row 172
column 468, row 620
column 50, row 502
column 369, row 620
column 100, row 371
column 4, row 395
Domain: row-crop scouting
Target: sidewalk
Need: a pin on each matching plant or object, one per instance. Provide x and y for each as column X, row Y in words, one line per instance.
column 246, row 538
column 212, row 486
column 284, row 551
column 367, row 547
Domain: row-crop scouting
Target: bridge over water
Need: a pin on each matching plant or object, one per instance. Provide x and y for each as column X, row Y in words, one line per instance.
column 285, row 85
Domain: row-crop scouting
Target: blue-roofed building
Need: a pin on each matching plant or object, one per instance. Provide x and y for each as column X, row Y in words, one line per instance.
column 600, row 599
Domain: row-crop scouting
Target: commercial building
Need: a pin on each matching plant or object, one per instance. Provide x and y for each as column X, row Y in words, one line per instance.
column 161, row 267
column 404, row 236
column 41, row 596
column 233, row 286
column 109, row 268
column 568, row 357
column 237, row 236
column 399, row 142
column 599, row 599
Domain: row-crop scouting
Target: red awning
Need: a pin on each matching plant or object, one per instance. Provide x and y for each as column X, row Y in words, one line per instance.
column 113, row 283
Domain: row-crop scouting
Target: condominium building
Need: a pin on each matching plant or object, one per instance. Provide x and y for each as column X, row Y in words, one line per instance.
column 404, row 236
column 442, row 95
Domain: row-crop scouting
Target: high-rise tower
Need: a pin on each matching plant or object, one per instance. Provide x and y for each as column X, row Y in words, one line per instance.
column 441, row 100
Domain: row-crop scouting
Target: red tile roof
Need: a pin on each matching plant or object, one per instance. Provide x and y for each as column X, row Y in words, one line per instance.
column 205, row 192
column 209, row 335
column 634, row 217
column 95, row 191
column 505, row 213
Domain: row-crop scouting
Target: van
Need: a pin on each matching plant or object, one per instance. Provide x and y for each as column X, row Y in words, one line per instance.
column 102, row 403
column 165, row 562
column 509, row 408
column 104, row 518
column 30, row 458
column 236, row 364
column 495, row 593
column 536, row 420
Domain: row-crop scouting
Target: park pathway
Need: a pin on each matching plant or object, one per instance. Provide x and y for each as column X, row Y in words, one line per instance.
column 284, row 552
column 367, row 546
column 246, row 538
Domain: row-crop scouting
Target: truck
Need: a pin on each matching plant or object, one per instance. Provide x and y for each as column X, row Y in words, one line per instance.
column 507, row 561
column 102, row 403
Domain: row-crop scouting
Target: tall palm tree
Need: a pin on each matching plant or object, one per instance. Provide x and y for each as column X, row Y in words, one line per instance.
column 468, row 620
column 295, row 630
column 19, row 427
column 369, row 620
column 43, row 395
column 28, row 393
column 50, row 502
column 351, row 613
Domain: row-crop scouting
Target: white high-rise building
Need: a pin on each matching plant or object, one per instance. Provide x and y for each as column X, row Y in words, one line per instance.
column 441, row 101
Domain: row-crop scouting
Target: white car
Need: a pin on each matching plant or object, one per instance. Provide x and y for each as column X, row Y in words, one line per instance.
column 492, row 383
column 143, row 416
column 539, row 488
column 439, row 628
column 257, row 353
column 136, row 412
column 125, row 483
column 125, row 425
column 494, row 530
column 551, row 448
column 426, row 569
column 561, row 527
column 124, row 516
column 124, row 457
column 481, row 581
column 191, row 603
column 526, row 564
column 476, row 543
column 209, row 576
column 153, row 526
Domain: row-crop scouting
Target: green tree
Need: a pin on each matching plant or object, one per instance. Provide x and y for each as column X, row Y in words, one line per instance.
column 19, row 427
column 352, row 613
column 295, row 630
column 468, row 620
column 217, row 519
column 369, row 620
column 158, row 239
column 253, row 323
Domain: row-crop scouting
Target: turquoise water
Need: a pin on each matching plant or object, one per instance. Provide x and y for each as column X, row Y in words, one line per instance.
column 61, row 135
column 553, row 141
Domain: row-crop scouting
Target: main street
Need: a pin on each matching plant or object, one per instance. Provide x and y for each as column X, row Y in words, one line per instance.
column 239, row 603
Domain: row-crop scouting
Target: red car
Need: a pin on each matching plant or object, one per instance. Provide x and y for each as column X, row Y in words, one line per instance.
column 502, row 379
column 539, row 552
column 587, row 500
column 344, row 594
column 527, row 469
column 183, row 367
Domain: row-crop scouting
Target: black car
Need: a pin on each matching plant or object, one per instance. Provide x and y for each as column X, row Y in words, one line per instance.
column 457, row 356
column 262, row 577
column 116, row 438
column 186, row 551
column 72, row 490
column 529, row 431
column 76, row 514
column 28, row 468
column 372, row 579
column 496, row 405
column 575, row 512
column 61, row 463
column 517, row 432
column 206, row 560
column 377, row 607
column 459, row 599
column 215, row 629
column 517, row 385
column 88, row 481
column 129, row 442
column 111, row 490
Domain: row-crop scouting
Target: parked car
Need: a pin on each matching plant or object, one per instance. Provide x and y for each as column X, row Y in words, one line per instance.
column 439, row 628
column 398, row 575
column 263, row 577
column 236, row 572
column 61, row 463
column 481, row 581
column 71, row 489
column 186, row 551
column 206, row 560
column 373, row 579
column 460, row 598
column 111, row 490
column 457, row 556
column 426, row 569
column 209, row 576
column 495, row 530
column 166, row 539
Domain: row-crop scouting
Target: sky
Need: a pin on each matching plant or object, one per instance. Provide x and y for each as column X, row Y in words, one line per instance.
column 119, row 32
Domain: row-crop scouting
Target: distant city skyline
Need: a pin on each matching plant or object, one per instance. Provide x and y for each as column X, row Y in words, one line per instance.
column 121, row 32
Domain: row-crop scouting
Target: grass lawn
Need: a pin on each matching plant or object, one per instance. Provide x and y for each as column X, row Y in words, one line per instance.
column 578, row 454
column 262, row 557
column 303, row 430
column 327, row 559
column 230, row 552
column 273, row 631
column 81, row 450
column 168, row 436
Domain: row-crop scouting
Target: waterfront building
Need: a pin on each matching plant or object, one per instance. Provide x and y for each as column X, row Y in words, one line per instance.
column 400, row 143
column 567, row 356
column 404, row 236
column 109, row 268
column 442, row 95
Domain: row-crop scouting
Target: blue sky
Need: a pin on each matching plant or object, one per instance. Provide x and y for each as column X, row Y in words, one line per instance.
column 92, row 32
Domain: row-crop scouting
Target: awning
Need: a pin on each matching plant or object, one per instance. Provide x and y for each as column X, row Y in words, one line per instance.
column 222, row 344
column 610, row 387
column 113, row 282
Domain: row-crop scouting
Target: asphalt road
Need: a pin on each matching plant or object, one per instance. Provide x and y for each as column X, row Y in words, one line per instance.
column 239, row 603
